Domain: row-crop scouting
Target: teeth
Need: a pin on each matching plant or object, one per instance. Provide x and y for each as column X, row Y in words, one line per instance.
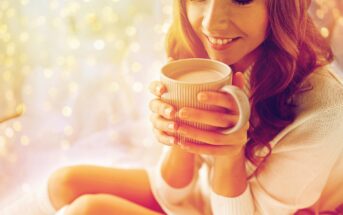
column 219, row 41
column 212, row 40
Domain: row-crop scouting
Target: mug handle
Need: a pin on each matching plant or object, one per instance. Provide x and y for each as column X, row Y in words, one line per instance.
column 243, row 104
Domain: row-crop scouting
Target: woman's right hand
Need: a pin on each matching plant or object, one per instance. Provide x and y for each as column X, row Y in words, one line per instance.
column 163, row 115
column 177, row 168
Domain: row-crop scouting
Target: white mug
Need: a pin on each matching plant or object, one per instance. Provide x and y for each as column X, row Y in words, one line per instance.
column 185, row 78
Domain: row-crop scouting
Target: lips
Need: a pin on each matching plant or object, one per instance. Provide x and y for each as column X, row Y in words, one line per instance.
column 221, row 43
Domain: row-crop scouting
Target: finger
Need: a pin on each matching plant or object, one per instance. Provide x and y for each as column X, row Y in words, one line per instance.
column 197, row 148
column 210, row 137
column 217, row 119
column 157, row 88
column 162, row 124
column 218, row 99
column 162, row 108
column 238, row 80
column 201, row 135
column 163, row 138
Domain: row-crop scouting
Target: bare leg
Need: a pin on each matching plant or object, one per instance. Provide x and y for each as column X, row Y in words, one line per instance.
column 67, row 184
column 106, row 205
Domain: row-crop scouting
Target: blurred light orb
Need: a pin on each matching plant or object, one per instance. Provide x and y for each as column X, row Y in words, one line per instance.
column 99, row 44
column 24, row 140
column 67, row 111
column 324, row 32
column 137, row 87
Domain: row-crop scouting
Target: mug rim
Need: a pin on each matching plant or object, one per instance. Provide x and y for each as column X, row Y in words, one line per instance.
column 228, row 71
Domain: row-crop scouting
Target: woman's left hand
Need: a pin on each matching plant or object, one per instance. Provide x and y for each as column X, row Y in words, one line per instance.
column 218, row 144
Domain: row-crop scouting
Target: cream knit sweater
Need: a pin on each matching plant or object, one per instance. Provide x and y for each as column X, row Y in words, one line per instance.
column 305, row 169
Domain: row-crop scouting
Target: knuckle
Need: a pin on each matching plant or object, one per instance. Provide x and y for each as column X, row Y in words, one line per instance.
column 229, row 121
column 223, row 122
column 156, row 123
column 152, row 105
column 228, row 101
column 218, row 138
column 161, row 137
column 162, row 108
column 152, row 87
column 159, row 107
column 157, row 134
column 153, row 118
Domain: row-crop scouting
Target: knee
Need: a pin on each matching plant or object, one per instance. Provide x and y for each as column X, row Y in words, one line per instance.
column 86, row 205
column 60, row 189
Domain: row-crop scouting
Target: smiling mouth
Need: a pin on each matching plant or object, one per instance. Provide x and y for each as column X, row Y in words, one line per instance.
column 221, row 43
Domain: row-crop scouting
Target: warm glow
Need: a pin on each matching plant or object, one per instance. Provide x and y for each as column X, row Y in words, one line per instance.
column 57, row 58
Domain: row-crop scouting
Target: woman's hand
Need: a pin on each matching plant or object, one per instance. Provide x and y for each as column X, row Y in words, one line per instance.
column 162, row 115
column 218, row 144
column 178, row 168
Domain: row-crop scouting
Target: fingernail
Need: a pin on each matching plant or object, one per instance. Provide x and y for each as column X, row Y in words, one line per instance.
column 183, row 114
column 159, row 89
column 202, row 97
column 171, row 126
column 168, row 111
column 171, row 140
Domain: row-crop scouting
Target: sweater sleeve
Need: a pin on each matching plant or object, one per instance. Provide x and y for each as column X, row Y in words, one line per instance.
column 167, row 193
column 242, row 204
column 296, row 172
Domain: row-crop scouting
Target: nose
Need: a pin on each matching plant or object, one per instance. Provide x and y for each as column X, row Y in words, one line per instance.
column 216, row 16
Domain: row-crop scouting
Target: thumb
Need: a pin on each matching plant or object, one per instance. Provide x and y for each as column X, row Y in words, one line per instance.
column 238, row 80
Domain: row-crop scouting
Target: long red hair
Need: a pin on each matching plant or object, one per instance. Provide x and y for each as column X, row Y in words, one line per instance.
column 292, row 50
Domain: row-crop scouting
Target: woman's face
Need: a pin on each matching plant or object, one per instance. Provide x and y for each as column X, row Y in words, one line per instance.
column 230, row 30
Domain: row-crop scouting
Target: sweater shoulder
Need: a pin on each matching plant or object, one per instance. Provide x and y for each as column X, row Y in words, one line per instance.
column 324, row 91
column 318, row 108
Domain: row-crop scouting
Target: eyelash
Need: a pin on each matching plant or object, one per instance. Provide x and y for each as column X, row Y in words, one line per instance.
column 242, row 2
column 239, row 2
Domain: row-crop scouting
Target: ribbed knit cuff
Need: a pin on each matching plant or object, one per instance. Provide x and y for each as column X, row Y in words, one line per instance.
column 240, row 205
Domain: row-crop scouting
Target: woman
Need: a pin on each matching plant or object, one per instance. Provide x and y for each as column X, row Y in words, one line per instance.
column 288, row 158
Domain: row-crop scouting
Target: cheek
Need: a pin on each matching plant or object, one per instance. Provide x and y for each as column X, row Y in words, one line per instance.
column 257, row 29
column 194, row 16
column 260, row 34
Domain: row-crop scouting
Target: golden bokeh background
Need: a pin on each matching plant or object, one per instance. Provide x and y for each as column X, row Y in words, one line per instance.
column 61, row 34
column 72, row 69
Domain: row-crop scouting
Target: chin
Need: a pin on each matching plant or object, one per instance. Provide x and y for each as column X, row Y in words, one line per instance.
column 225, row 59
